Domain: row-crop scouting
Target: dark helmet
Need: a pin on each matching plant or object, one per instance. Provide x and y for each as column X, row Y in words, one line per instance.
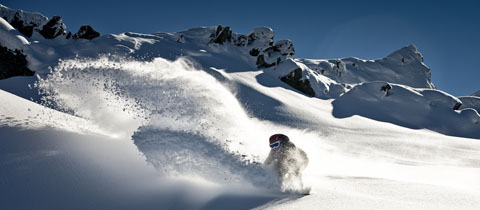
column 277, row 137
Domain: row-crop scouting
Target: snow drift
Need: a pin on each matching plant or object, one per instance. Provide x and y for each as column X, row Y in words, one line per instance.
column 410, row 107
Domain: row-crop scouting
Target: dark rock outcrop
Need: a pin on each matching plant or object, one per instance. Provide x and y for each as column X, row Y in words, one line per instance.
column 18, row 23
column 222, row 35
column 13, row 63
column 53, row 28
column 240, row 41
column 254, row 52
column 261, row 62
column 294, row 79
column 86, row 32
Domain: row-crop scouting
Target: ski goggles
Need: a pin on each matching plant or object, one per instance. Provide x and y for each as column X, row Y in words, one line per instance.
column 275, row 144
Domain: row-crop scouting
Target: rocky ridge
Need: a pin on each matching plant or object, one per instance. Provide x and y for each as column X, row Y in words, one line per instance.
column 27, row 23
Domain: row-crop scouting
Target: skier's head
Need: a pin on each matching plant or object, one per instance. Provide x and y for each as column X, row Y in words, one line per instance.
column 277, row 139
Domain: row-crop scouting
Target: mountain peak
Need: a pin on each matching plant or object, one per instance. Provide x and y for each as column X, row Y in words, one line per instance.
column 476, row 93
column 406, row 54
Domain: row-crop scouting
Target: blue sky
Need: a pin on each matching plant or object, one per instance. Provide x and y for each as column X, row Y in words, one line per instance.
column 448, row 34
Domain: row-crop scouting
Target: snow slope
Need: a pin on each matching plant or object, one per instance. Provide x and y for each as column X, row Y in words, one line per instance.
column 412, row 108
column 355, row 163
column 178, row 121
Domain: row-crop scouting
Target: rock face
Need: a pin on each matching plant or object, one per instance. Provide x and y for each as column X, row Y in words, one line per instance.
column 25, row 29
column 53, row 28
column 222, row 35
column 27, row 23
column 240, row 40
column 86, row 32
column 262, row 36
column 294, row 79
column 13, row 63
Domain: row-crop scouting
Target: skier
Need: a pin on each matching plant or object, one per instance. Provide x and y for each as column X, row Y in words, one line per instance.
column 287, row 161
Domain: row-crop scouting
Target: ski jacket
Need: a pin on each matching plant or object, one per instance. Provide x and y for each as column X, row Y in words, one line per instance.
column 287, row 159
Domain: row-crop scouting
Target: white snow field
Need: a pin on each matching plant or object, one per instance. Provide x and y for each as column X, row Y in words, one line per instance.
column 175, row 121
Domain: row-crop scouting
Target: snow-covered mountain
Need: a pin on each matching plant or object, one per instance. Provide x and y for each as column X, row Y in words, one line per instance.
column 199, row 106
column 476, row 93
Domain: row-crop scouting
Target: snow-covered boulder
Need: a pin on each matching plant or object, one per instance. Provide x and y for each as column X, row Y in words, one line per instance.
column 86, row 32
column 303, row 79
column 260, row 39
column 404, row 66
column 279, row 52
column 285, row 47
column 409, row 107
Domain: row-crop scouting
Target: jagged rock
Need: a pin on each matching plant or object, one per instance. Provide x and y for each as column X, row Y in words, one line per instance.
column 386, row 87
column 457, row 106
column 241, row 41
column 222, row 35
column 53, row 28
column 254, row 52
column 18, row 23
column 13, row 63
column 26, row 23
column 69, row 35
column 262, row 64
column 294, row 79
column 86, row 32
column 181, row 39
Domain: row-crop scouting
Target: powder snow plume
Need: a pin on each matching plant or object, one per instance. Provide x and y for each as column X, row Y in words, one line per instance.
column 183, row 120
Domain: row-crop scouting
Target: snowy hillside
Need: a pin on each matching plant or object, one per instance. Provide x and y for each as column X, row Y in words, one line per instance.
column 182, row 120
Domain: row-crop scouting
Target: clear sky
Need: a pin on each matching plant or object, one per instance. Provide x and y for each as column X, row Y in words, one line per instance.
column 448, row 34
